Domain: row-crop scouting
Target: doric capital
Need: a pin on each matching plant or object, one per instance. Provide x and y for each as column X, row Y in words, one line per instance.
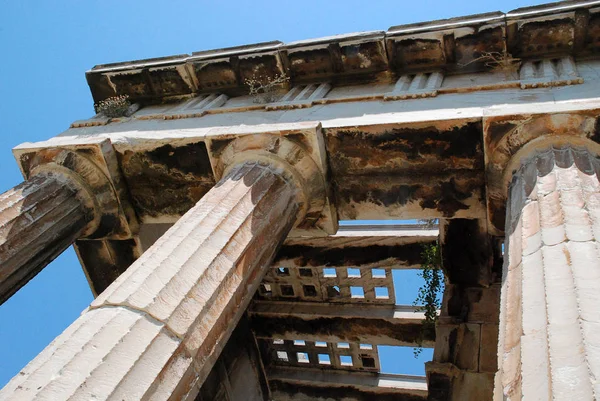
column 286, row 156
column 510, row 140
column 299, row 155
column 93, row 168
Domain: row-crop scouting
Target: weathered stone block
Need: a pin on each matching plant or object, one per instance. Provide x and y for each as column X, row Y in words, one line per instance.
column 488, row 348
column 458, row 344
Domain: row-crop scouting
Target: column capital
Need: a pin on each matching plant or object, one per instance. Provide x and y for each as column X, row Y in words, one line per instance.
column 93, row 167
column 299, row 153
column 508, row 140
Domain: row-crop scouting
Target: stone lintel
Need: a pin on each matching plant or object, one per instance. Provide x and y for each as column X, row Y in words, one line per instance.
column 390, row 185
column 360, row 248
column 304, row 385
column 372, row 324
column 408, row 170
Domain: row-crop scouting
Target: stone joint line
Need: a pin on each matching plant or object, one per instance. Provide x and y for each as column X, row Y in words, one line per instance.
column 145, row 314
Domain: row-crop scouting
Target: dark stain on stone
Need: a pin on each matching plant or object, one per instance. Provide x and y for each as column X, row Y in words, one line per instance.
column 452, row 343
column 189, row 159
column 338, row 393
column 216, row 75
column 451, row 197
column 592, row 37
column 168, row 82
column 167, row 180
column 498, row 215
column 467, row 254
column 310, row 63
column 458, row 305
column 89, row 152
column 596, row 136
column 264, row 66
column 498, row 259
column 135, row 85
column 310, row 220
column 385, row 196
column 300, row 139
column 352, row 330
column 497, row 131
column 107, row 225
column 471, row 47
column 354, row 57
column 417, row 53
column 105, row 260
column 217, row 146
column 100, row 86
column 456, row 146
column 446, row 195
column 545, row 37
column 409, row 254
column 439, row 387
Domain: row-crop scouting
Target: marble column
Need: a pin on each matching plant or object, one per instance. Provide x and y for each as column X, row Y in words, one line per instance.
column 156, row 332
column 549, row 341
column 39, row 219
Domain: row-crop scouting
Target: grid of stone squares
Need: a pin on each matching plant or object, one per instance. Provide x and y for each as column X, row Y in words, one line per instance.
column 324, row 355
column 335, row 284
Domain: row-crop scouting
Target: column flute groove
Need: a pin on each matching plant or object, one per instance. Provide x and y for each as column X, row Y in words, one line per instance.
column 177, row 304
column 39, row 219
column 549, row 315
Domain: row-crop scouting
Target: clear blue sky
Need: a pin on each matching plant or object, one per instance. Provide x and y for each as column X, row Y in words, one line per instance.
column 46, row 46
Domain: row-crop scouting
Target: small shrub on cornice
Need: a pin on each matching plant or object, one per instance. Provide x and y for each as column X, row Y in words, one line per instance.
column 113, row 107
column 499, row 62
column 265, row 89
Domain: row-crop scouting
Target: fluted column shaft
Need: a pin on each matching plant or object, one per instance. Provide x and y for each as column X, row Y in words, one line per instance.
column 549, row 343
column 156, row 332
column 39, row 219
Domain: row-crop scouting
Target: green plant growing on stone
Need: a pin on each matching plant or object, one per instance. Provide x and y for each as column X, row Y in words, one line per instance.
column 113, row 107
column 429, row 223
column 264, row 89
column 428, row 296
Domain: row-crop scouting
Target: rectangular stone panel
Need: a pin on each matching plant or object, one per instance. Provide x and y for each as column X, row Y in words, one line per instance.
column 167, row 180
column 422, row 170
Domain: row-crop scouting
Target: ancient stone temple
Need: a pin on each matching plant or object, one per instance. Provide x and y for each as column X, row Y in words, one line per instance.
column 205, row 213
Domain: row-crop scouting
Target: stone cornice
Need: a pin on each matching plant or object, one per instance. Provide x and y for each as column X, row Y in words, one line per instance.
column 453, row 45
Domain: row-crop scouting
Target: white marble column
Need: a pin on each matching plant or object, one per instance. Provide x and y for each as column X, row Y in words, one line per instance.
column 549, row 342
column 39, row 219
column 156, row 332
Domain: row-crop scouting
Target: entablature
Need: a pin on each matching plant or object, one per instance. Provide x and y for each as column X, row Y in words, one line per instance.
column 425, row 158
column 478, row 43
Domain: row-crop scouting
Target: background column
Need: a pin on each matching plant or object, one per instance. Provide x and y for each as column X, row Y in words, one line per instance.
column 549, row 342
column 39, row 219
